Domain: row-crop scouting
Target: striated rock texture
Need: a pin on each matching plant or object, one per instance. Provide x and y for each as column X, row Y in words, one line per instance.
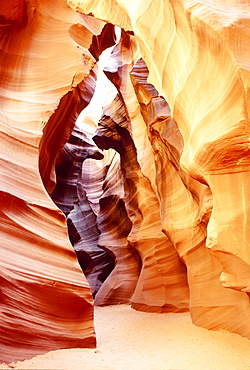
column 46, row 302
column 70, row 196
column 162, row 284
column 169, row 203
column 198, row 60
column 185, row 208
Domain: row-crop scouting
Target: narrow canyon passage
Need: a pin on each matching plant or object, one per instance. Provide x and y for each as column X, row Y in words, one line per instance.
column 124, row 184
column 129, row 339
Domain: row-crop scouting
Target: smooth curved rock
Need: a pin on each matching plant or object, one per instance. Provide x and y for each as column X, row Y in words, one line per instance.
column 106, row 185
column 46, row 302
column 214, row 125
column 186, row 207
column 162, row 284
column 198, row 61
column 173, row 158
column 70, row 196
column 114, row 226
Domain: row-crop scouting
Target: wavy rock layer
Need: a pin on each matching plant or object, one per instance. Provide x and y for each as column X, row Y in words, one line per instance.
column 70, row 196
column 171, row 201
column 198, row 61
column 186, row 206
column 162, row 284
column 45, row 300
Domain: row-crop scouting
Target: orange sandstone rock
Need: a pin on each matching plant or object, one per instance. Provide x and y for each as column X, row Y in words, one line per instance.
column 184, row 173
column 45, row 300
column 197, row 59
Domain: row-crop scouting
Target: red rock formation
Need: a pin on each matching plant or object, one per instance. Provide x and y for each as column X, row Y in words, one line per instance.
column 45, row 300
column 168, row 290
column 185, row 208
column 162, row 284
column 198, row 59
column 114, row 226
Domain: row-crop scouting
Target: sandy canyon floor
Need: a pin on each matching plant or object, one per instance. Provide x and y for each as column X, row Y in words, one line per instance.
column 128, row 339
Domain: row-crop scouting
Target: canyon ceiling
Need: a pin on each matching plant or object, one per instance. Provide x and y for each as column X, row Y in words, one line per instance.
column 149, row 180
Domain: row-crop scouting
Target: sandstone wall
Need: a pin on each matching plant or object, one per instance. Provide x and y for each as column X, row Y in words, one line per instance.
column 46, row 302
column 198, row 60
column 178, row 182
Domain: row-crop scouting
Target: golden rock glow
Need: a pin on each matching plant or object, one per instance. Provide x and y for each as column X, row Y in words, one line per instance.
column 181, row 70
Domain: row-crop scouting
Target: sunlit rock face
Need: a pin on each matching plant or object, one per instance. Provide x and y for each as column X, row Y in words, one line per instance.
column 169, row 202
column 46, row 302
column 197, row 59
column 185, row 208
column 162, row 284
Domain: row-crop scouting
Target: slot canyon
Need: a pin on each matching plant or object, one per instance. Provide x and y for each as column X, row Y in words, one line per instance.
column 125, row 166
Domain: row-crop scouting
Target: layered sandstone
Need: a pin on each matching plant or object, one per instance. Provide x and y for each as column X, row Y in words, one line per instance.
column 185, row 214
column 198, row 61
column 46, row 302
column 162, row 284
column 169, row 203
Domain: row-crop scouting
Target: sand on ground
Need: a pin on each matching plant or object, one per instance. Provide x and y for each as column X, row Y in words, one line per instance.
column 129, row 339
